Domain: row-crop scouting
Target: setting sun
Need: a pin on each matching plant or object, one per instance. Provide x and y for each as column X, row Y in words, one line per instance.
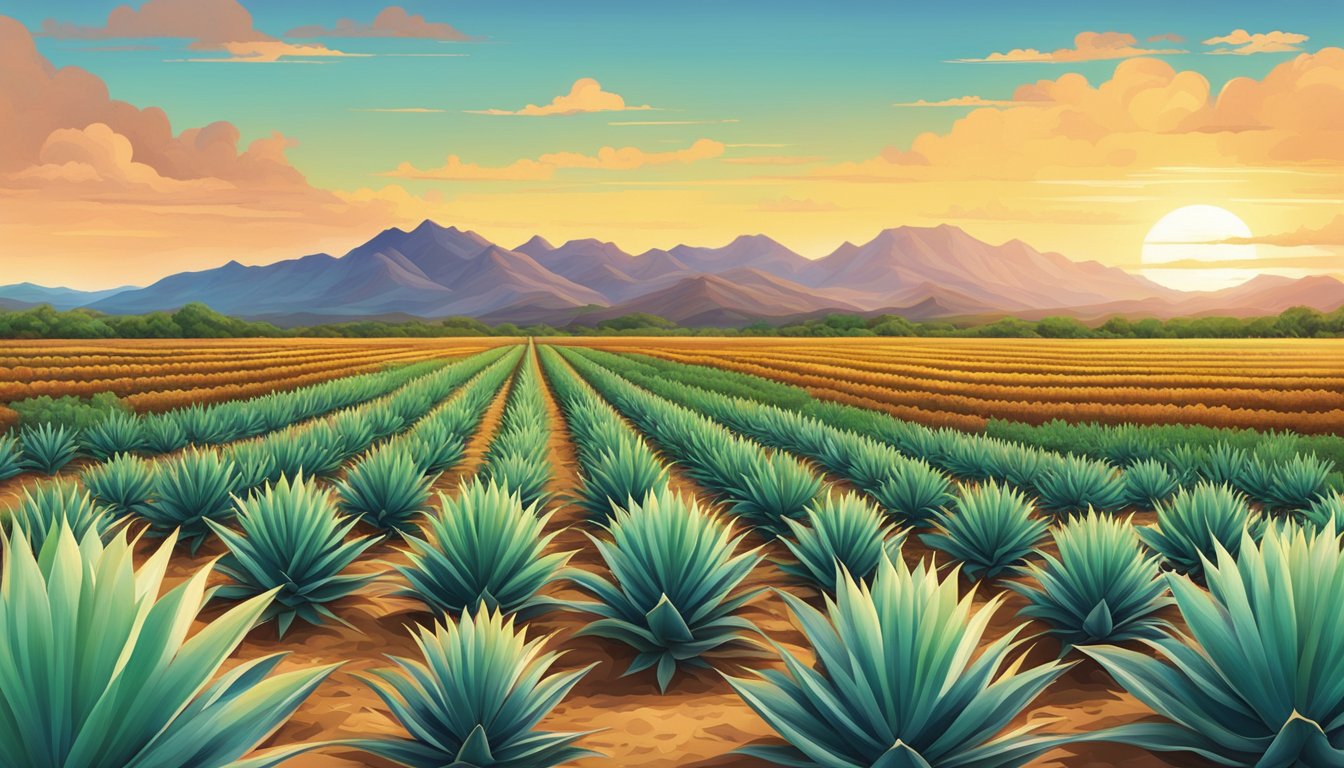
column 1191, row 249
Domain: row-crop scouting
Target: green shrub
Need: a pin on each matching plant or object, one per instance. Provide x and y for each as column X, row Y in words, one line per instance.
column 71, row 412
column 990, row 529
column 1076, row 484
column 120, row 432
column 914, row 492
column 123, row 483
column 188, row 490
column 121, row 684
column 475, row 699
column 1193, row 523
column 841, row 532
column 677, row 573
column 1257, row 681
column 1102, row 587
column 482, row 548
column 901, row 680
column 48, row 447
column 44, row 508
column 293, row 544
column 385, row 489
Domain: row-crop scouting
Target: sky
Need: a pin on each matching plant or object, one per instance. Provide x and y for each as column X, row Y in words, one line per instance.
column 170, row 135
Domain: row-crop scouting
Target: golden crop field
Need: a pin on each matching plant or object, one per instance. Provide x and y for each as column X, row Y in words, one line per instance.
column 1263, row 384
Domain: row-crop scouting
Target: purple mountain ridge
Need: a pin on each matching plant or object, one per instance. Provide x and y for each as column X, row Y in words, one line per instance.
column 433, row 271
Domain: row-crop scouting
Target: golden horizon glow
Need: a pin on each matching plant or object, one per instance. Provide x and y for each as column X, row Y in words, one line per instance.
column 1192, row 236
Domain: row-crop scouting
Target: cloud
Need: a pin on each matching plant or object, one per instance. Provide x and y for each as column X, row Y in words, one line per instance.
column 1243, row 43
column 959, row 101
column 392, row 21
column 586, row 95
column 211, row 25
column 1168, row 37
column 1330, row 233
column 1088, row 46
column 1147, row 115
column 545, row 166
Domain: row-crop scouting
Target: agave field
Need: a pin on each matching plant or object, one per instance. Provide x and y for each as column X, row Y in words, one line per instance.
column 674, row 552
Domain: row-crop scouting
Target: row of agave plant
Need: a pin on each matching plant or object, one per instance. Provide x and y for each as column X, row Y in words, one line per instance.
column 519, row 454
column 185, row 494
column 47, row 448
column 911, row 488
column 1275, row 475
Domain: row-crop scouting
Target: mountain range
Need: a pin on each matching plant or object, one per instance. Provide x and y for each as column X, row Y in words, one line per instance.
column 921, row 273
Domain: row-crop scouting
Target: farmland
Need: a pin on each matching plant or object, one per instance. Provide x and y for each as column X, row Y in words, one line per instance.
column 654, row 510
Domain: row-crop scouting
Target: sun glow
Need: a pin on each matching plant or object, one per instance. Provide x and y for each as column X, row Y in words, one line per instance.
column 1188, row 249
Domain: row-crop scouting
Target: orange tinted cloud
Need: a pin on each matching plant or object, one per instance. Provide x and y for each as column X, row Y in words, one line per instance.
column 392, row 21
column 1087, row 46
column 586, row 95
column 959, row 101
column 1331, row 233
column 1243, row 43
column 1146, row 115
column 211, row 25
column 545, row 166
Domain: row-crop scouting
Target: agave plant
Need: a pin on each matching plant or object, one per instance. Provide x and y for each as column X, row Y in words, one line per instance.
column 293, row 544
column 120, row 432
column 1256, row 681
column 677, row 574
column 969, row 458
column 914, row 492
column 1018, row 465
column 780, row 490
column 163, row 434
column 122, row 684
column 1257, row 482
column 475, row 699
column 385, row 489
column 45, row 508
column 625, row 471
column 254, row 464
column 841, row 532
column 1326, row 513
column 48, row 447
column 901, row 681
column 1301, row 480
column 484, row 548
column 11, row 457
column 527, row 475
column 990, row 529
column 1222, row 464
column 123, row 483
column 435, row 447
column 1148, row 482
column 192, row 488
column 1194, row 523
column 1076, row 484
column 315, row 451
column 1103, row 586
column 1185, row 461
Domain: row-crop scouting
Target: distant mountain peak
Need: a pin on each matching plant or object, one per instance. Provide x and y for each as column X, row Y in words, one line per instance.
column 535, row 245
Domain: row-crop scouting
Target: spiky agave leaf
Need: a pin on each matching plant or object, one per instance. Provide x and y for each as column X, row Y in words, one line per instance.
column 385, row 489
column 1222, row 464
column 315, row 450
column 778, row 490
column 841, row 531
column 123, row 483
column 163, row 433
column 48, row 447
column 901, row 681
column 120, row 432
column 1193, row 523
column 1257, row 682
column 989, row 529
column 1148, row 482
column 1076, row 484
column 482, row 548
column 677, row 572
column 969, row 457
column 523, row 472
column 475, row 698
column 1326, row 513
column 44, row 508
column 435, row 446
column 255, row 465
column 123, row 686
column 11, row 457
column 292, row 540
column 188, row 490
column 1102, row 587
column 913, row 492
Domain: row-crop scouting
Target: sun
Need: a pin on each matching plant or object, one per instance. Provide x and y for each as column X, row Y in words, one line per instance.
column 1184, row 248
